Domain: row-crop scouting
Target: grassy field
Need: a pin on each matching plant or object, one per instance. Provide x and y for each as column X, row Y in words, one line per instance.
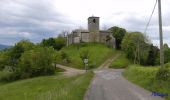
column 98, row 53
column 145, row 77
column 57, row 87
column 120, row 62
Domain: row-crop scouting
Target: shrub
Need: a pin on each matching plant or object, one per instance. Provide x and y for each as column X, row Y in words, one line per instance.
column 36, row 62
column 8, row 76
column 56, row 43
column 163, row 74
column 65, row 57
column 167, row 65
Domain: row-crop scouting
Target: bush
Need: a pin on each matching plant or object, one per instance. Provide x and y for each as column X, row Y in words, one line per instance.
column 146, row 77
column 56, row 43
column 36, row 62
column 65, row 57
column 167, row 65
column 163, row 74
column 8, row 76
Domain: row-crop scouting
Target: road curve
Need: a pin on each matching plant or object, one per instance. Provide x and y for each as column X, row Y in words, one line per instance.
column 109, row 84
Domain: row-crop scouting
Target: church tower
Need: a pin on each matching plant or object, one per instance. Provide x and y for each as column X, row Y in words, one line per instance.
column 93, row 27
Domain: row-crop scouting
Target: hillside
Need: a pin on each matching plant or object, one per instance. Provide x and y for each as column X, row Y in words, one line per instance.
column 4, row 46
column 98, row 53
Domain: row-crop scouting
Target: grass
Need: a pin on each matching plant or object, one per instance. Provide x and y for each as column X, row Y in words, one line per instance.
column 145, row 77
column 57, row 87
column 120, row 62
column 98, row 53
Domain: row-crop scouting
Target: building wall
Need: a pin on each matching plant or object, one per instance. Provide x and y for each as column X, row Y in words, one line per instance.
column 93, row 34
column 76, row 39
column 85, row 37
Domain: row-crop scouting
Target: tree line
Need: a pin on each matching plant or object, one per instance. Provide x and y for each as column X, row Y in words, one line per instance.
column 26, row 59
column 137, row 47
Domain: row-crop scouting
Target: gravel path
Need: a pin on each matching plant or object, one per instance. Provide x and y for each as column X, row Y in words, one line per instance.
column 70, row 71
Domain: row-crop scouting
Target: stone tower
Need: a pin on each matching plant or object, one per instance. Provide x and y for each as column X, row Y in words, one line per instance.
column 93, row 27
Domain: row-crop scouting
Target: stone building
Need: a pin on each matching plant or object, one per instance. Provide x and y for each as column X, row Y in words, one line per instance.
column 93, row 34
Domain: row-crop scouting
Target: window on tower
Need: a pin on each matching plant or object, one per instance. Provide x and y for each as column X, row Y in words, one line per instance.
column 94, row 20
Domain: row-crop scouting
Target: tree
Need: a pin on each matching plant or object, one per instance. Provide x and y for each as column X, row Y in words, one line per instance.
column 56, row 43
column 118, row 33
column 36, row 62
column 153, row 55
column 135, row 46
column 166, row 53
column 16, row 52
column 3, row 59
column 60, row 43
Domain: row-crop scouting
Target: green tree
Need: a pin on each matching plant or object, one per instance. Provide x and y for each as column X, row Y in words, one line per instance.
column 56, row 43
column 26, row 45
column 166, row 53
column 153, row 55
column 118, row 33
column 135, row 46
column 16, row 52
column 36, row 62
column 3, row 59
column 60, row 43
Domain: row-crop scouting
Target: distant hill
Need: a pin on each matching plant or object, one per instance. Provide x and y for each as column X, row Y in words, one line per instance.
column 4, row 46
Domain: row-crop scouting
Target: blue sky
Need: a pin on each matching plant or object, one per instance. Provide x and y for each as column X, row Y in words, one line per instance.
column 38, row 19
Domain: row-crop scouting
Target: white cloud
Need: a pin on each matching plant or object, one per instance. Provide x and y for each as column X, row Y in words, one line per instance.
column 38, row 19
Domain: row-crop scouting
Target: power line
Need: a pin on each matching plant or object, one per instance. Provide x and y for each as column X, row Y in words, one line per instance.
column 151, row 16
column 137, row 56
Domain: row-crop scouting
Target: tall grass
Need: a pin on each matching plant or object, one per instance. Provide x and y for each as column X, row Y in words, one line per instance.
column 145, row 77
column 56, row 87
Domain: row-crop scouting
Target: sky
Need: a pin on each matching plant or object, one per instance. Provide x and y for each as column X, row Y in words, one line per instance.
column 35, row 20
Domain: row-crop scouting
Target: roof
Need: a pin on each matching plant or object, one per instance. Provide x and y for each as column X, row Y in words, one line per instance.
column 93, row 17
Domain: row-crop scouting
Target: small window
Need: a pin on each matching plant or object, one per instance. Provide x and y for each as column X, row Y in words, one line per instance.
column 94, row 20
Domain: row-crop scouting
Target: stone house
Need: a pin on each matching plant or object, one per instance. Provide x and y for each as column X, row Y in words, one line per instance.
column 93, row 34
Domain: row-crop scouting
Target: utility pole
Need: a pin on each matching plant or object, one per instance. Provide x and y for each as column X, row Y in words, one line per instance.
column 160, row 34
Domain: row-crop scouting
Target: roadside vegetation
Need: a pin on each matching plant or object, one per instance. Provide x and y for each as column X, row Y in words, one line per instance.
column 120, row 62
column 96, row 53
column 27, row 60
column 148, row 77
column 56, row 87
column 142, row 61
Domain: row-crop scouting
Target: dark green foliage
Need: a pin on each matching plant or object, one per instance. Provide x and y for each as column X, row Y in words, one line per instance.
column 84, row 54
column 60, row 43
column 15, row 54
column 36, row 62
column 3, row 60
column 153, row 55
column 10, row 57
column 10, row 76
column 18, row 50
column 167, row 54
column 163, row 74
column 56, row 43
column 118, row 33
column 135, row 47
column 167, row 65
column 65, row 57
